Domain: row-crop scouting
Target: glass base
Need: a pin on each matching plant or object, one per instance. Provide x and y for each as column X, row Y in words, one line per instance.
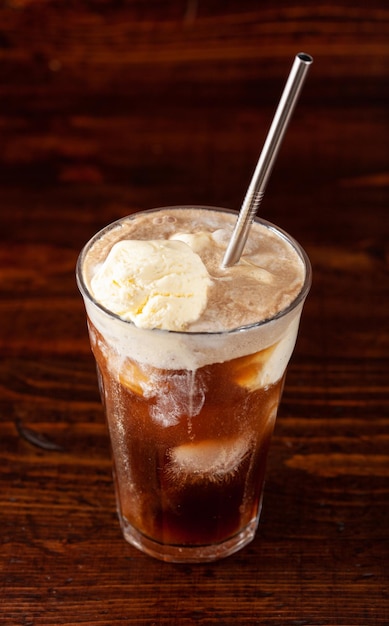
column 188, row 554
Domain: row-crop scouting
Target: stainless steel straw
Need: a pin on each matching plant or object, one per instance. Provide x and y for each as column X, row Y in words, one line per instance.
column 266, row 161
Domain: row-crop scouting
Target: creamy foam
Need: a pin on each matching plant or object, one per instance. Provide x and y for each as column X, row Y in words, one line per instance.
column 268, row 277
column 267, row 280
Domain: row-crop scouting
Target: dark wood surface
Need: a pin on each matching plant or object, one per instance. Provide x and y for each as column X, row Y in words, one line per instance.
column 110, row 107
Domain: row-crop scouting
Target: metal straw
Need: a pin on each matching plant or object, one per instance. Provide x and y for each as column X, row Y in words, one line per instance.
column 266, row 161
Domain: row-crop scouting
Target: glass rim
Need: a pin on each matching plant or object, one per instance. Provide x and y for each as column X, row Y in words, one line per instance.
column 85, row 292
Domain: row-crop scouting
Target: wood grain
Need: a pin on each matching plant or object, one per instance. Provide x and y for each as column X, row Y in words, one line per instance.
column 110, row 107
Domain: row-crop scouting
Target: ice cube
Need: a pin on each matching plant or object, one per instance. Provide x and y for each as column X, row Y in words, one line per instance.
column 180, row 394
column 209, row 459
column 135, row 378
column 173, row 394
column 249, row 370
column 265, row 368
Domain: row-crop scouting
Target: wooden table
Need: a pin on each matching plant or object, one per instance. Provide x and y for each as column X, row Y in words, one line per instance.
column 111, row 107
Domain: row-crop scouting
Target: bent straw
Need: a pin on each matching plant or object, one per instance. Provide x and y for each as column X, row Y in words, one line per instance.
column 267, row 158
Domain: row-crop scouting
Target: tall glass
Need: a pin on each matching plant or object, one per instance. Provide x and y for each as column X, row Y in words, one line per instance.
column 189, row 445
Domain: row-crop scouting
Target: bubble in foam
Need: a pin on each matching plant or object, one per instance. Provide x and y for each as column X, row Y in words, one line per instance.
column 168, row 219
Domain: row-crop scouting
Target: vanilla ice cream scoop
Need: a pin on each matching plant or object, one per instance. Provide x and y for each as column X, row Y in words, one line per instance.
column 155, row 284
